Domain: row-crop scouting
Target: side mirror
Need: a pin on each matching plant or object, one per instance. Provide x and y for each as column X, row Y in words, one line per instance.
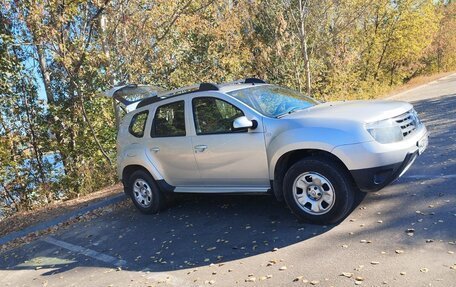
column 244, row 123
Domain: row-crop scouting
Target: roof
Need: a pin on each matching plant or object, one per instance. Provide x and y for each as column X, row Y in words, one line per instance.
column 234, row 87
column 224, row 88
column 134, row 96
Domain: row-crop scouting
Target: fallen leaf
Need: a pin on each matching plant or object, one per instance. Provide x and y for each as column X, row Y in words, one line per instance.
column 347, row 274
column 299, row 278
column 359, row 278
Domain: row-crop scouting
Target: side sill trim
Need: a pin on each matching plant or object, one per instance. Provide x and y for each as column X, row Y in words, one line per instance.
column 222, row 189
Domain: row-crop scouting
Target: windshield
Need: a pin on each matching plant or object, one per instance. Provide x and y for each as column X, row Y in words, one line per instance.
column 273, row 101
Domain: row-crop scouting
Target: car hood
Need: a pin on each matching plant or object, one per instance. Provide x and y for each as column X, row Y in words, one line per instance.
column 359, row 111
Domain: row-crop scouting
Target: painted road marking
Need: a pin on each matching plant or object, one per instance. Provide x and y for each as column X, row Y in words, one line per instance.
column 85, row 251
column 158, row 276
column 446, row 176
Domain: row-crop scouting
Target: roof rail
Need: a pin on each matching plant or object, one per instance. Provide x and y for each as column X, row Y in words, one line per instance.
column 254, row 81
column 207, row 87
column 244, row 81
column 178, row 91
column 195, row 88
column 188, row 89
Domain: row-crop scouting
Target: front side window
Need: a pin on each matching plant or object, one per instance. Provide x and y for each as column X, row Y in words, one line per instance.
column 214, row 116
column 138, row 123
column 169, row 120
column 273, row 101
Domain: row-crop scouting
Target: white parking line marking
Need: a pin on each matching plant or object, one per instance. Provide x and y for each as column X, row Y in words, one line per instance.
column 446, row 176
column 159, row 276
column 85, row 251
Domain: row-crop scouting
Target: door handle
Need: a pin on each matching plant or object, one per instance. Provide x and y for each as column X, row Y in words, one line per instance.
column 200, row 148
column 155, row 149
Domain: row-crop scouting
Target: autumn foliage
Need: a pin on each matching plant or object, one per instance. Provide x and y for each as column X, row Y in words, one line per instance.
column 57, row 137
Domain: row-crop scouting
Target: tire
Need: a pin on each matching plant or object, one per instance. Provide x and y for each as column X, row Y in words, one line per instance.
column 145, row 193
column 319, row 190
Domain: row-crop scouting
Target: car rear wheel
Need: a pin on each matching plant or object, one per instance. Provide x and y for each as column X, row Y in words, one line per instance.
column 145, row 193
column 319, row 190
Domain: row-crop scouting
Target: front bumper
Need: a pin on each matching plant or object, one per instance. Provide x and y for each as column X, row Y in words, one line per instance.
column 374, row 165
column 374, row 179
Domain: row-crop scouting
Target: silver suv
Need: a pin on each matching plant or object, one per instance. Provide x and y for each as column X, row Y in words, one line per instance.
column 252, row 137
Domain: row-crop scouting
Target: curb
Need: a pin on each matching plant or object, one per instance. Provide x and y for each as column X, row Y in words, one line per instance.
column 419, row 87
column 62, row 218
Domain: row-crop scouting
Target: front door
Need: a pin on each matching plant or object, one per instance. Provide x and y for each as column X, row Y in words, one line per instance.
column 225, row 156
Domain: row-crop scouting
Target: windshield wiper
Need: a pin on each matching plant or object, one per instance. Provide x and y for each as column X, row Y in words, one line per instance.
column 292, row 110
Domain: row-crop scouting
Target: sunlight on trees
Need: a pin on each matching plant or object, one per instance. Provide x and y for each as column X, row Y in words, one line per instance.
column 58, row 138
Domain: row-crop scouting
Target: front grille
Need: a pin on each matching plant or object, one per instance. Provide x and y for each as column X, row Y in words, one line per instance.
column 408, row 122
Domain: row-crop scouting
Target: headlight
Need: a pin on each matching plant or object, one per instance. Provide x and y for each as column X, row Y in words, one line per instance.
column 385, row 131
column 416, row 117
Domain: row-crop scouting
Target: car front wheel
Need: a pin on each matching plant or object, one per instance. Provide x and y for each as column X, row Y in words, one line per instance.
column 319, row 190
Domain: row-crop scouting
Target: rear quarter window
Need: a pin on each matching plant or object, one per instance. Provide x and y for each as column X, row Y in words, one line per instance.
column 138, row 124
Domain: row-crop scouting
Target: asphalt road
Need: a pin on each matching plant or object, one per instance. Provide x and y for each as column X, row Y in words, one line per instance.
column 229, row 240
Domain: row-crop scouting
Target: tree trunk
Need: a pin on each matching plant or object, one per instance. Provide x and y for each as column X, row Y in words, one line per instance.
column 103, row 24
column 44, row 73
column 304, row 50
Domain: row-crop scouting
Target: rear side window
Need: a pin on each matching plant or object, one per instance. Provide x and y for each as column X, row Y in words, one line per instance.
column 138, row 123
column 169, row 120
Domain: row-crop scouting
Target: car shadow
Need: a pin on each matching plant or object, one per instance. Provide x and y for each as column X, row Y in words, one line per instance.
column 196, row 231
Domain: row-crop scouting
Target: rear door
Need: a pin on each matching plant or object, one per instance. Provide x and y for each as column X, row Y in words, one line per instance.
column 170, row 147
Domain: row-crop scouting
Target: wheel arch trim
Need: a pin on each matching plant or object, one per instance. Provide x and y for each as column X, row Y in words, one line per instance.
column 284, row 161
